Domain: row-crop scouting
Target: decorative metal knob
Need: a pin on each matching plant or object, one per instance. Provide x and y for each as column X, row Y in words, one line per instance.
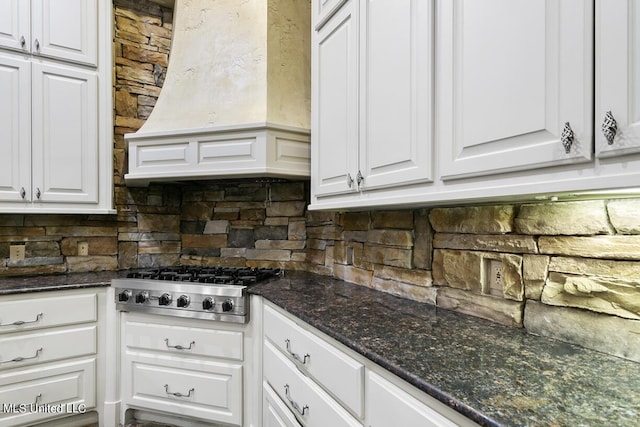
column 37, row 43
column 609, row 127
column 38, row 193
column 23, row 193
column 567, row 137
column 23, row 42
column 359, row 178
column 349, row 180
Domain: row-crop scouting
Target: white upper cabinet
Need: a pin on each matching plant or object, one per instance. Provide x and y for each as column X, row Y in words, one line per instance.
column 334, row 140
column 617, row 121
column 512, row 76
column 61, row 29
column 15, row 127
column 56, row 125
column 372, row 98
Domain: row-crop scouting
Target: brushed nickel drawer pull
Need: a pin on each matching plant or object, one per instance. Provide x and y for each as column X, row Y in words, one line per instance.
column 20, row 358
column 295, row 405
column 23, row 322
column 166, row 389
column 302, row 360
column 179, row 347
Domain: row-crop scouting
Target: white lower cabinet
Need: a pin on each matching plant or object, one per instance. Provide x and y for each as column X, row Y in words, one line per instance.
column 51, row 356
column 310, row 379
column 187, row 368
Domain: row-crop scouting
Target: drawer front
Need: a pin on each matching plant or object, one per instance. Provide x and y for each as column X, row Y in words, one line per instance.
column 40, row 393
column 47, row 311
column 333, row 369
column 54, row 344
column 185, row 340
column 301, row 395
column 274, row 412
column 194, row 388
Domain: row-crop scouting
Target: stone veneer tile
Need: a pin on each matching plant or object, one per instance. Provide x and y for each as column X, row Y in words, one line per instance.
column 92, row 263
column 624, row 215
column 487, row 242
column 295, row 208
column 164, row 223
column 268, row 254
column 354, row 220
column 280, row 244
column 596, row 267
column 423, row 240
column 297, row 230
column 612, row 247
column 618, row 297
column 127, row 255
column 410, row 276
column 327, row 232
column 534, row 272
column 606, row 334
column 473, row 219
column 499, row 310
column 204, row 241
column 388, row 237
column 405, row 290
column 563, row 218
column 352, row 274
column 217, row 226
column 392, row 219
column 386, row 255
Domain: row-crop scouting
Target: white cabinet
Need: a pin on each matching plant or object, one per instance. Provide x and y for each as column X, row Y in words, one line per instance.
column 617, row 77
column 372, row 97
column 50, row 354
column 57, row 117
column 185, row 368
column 60, row 29
column 311, row 379
column 512, row 75
column 514, row 109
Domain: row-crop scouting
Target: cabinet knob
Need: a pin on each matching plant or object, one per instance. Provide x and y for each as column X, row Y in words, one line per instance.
column 37, row 44
column 567, row 137
column 349, row 180
column 23, row 42
column 609, row 127
column 38, row 193
column 23, row 193
column 359, row 178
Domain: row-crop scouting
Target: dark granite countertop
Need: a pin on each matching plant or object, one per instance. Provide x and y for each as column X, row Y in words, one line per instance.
column 494, row 375
column 56, row 282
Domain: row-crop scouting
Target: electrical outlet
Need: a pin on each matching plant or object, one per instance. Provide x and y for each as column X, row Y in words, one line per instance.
column 83, row 248
column 16, row 253
column 493, row 281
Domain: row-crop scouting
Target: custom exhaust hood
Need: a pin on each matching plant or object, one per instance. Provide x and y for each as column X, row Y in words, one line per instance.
column 236, row 98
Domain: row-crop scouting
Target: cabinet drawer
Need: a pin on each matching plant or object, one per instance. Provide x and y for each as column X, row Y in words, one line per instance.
column 333, row 369
column 323, row 9
column 301, row 394
column 184, row 340
column 274, row 412
column 42, row 312
column 37, row 347
column 66, row 387
column 184, row 387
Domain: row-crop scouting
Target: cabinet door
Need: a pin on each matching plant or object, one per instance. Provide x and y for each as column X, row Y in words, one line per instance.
column 14, row 24
column 396, row 42
column 334, row 136
column 65, row 134
column 66, row 29
column 618, row 75
column 15, row 127
column 511, row 73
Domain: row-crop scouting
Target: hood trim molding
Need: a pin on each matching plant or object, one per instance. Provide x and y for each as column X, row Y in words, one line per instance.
column 236, row 151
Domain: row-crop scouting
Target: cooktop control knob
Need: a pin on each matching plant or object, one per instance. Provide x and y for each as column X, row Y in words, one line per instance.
column 142, row 297
column 165, row 299
column 124, row 296
column 208, row 303
column 227, row 305
column 183, row 301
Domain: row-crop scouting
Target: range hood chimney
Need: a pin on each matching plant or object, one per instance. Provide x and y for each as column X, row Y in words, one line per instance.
column 236, row 98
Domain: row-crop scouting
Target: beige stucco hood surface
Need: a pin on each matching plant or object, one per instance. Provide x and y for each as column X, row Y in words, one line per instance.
column 236, row 98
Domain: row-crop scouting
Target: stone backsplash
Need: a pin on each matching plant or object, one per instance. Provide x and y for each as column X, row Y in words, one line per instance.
column 569, row 270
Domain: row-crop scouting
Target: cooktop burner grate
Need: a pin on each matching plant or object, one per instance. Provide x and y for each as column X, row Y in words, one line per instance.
column 216, row 275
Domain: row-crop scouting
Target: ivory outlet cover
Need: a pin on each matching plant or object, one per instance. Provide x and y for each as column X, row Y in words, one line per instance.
column 83, row 248
column 16, row 252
